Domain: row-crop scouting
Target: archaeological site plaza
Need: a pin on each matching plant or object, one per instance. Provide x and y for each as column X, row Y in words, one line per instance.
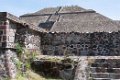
column 84, row 35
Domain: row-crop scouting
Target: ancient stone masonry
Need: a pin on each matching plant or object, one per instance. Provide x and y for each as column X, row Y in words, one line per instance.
column 32, row 41
column 10, row 59
column 29, row 39
column 7, row 37
column 92, row 44
column 12, row 31
column 3, row 71
column 7, row 64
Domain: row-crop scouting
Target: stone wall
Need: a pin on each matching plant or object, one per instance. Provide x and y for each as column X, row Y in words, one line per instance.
column 11, row 63
column 7, row 64
column 7, row 34
column 13, row 33
column 97, row 43
column 3, row 28
column 32, row 41
column 7, row 54
column 10, row 34
column 28, row 38
column 3, row 71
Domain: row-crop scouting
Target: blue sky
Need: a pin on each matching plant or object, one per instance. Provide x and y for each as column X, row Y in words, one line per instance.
column 110, row 8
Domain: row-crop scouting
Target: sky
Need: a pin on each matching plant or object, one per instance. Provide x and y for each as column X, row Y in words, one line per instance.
column 109, row 8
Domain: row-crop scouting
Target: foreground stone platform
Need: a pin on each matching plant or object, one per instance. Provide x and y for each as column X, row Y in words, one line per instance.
column 93, row 67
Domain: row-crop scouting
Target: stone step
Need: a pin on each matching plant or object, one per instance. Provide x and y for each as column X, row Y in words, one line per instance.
column 96, row 75
column 103, row 70
column 99, row 79
column 106, row 65
column 105, row 75
column 116, row 61
column 103, row 79
column 108, row 60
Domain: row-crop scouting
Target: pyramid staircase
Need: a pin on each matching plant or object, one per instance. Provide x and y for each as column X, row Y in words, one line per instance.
column 104, row 69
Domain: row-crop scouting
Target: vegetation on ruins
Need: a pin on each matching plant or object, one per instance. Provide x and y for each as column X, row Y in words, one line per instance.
column 26, row 58
column 19, row 49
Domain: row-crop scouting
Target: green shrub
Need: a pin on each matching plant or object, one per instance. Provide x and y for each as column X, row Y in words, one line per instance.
column 19, row 49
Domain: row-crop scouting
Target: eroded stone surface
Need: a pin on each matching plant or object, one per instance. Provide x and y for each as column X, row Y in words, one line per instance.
column 3, row 71
column 81, row 70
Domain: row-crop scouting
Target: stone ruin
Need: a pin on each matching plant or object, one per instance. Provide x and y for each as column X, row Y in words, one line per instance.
column 74, row 31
